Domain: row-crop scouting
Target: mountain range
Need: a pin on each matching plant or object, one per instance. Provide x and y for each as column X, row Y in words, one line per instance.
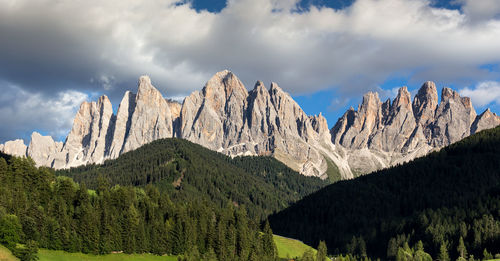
column 225, row 117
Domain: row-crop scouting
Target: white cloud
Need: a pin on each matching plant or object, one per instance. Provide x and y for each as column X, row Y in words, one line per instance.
column 51, row 46
column 22, row 112
column 338, row 104
column 484, row 93
column 180, row 48
column 480, row 10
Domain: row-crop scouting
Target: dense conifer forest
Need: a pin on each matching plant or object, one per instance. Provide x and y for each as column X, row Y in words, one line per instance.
column 448, row 200
column 187, row 171
column 40, row 209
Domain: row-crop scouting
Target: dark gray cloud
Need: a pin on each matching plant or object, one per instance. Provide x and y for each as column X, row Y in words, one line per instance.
column 51, row 48
column 24, row 112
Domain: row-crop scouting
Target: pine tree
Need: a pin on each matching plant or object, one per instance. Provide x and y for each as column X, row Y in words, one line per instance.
column 322, row 251
column 269, row 246
column 361, row 247
column 443, row 253
column 462, row 251
column 392, row 248
column 307, row 256
column 420, row 254
column 400, row 256
column 487, row 255
column 30, row 251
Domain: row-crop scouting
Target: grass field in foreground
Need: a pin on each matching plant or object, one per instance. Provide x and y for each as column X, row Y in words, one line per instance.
column 288, row 247
column 53, row 255
column 6, row 255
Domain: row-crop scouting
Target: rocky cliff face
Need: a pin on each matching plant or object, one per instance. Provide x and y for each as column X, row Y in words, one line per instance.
column 14, row 147
column 379, row 135
column 224, row 116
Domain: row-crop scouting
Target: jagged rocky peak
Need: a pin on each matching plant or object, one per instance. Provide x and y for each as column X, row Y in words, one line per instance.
column 122, row 123
column 447, row 94
column 86, row 141
column 407, row 129
column 15, row 148
column 453, row 119
column 403, row 99
column 214, row 116
column 221, row 87
column 425, row 103
column 42, row 149
column 485, row 120
column 369, row 111
column 319, row 123
column 151, row 118
column 224, row 116
column 259, row 89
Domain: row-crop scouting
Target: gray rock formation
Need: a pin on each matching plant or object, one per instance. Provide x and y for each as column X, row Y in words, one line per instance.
column 122, row 124
column 225, row 117
column 485, row 120
column 43, row 149
column 379, row 135
column 15, row 148
column 151, row 119
column 87, row 141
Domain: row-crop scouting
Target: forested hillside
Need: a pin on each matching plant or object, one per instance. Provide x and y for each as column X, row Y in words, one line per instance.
column 187, row 171
column 450, row 200
column 38, row 209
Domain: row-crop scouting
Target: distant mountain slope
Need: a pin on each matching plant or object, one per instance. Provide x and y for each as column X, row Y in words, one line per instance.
column 439, row 198
column 189, row 171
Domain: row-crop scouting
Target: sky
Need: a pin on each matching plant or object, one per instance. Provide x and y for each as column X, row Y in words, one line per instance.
column 56, row 54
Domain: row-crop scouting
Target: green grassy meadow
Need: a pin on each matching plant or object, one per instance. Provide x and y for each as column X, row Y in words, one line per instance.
column 53, row 255
column 287, row 247
column 290, row 248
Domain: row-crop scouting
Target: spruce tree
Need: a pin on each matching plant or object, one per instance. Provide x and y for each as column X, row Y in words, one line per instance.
column 307, row 256
column 322, row 251
column 268, row 241
column 487, row 255
column 462, row 251
column 443, row 253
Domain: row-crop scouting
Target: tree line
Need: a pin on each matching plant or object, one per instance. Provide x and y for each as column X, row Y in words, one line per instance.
column 187, row 171
column 40, row 209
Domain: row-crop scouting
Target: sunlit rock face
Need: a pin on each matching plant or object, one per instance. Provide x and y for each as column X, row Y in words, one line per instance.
column 378, row 135
column 224, row 116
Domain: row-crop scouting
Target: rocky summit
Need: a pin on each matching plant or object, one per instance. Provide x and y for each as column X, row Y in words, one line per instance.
column 226, row 117
column 381, row 134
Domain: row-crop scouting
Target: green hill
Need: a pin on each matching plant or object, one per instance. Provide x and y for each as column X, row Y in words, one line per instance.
column 187, row 171
column 437, row 199
column 39, row 209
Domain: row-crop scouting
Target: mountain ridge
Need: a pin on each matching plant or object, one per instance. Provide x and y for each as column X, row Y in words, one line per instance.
column 224, row 116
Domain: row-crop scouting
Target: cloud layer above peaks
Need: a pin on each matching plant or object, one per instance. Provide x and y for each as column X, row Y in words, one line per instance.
column 50, row 47
column 104, row 44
